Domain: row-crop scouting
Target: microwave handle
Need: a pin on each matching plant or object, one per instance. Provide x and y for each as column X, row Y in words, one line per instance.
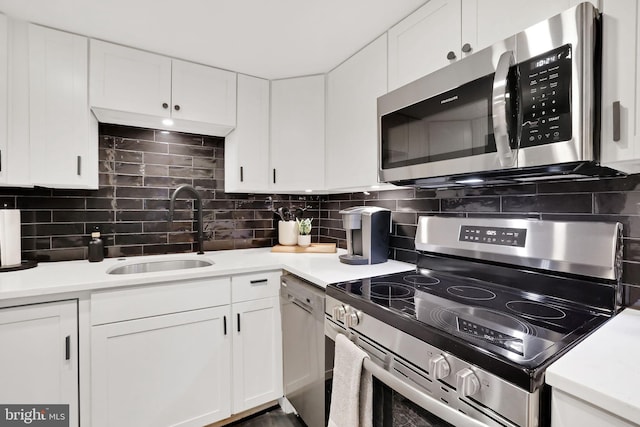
column 500, row 98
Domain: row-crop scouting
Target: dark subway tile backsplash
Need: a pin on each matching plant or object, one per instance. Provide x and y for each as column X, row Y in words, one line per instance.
column 606, row 199
column 139, row 169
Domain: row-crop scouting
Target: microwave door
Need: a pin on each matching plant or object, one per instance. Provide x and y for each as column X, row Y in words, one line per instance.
column 505, row 111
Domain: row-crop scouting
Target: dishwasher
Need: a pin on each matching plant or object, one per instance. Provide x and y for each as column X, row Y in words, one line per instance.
column 302, row 306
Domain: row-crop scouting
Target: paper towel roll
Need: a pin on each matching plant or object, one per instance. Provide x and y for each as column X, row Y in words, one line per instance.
column 10, row 245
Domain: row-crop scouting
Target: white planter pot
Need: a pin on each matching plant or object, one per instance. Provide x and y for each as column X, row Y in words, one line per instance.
column 287, row 233
column 304, row 240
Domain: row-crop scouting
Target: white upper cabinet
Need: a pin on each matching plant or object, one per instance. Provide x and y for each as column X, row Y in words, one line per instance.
column 129, row 80
column 4, row 98
column 443, row 31
column 297, row 134
column 63, row 131
column 352, row 133
column 203, row 94
column 485, row 22
column 246, row 148
column 15, row 161
column 425, row 41
column 132, row 87
column 620, row 136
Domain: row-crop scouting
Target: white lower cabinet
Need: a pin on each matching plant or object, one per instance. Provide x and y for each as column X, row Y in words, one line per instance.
column 39, row 356
column 257, row 353
column 257, row 339
column 170, row 370
column 185, row 353
column 570, row 411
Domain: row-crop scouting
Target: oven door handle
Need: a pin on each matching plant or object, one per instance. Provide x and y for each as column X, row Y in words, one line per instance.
column 420, row 398
column 500, row 98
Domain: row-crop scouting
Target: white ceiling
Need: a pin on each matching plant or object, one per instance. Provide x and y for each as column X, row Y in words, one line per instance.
column 265, row 38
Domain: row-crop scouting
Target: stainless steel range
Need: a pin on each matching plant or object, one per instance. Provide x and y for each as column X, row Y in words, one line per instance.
column 466, row 337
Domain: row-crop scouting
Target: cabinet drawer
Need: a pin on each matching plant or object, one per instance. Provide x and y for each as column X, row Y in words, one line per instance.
column 245, row 287
column 154, row 300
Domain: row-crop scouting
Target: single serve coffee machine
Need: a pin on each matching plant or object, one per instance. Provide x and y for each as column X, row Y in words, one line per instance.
column 367, row 230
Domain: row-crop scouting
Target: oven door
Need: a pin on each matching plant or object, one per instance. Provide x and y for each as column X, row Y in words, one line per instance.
column 397, row 400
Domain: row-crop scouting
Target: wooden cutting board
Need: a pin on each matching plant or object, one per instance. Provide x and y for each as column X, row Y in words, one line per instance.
column 312, row 248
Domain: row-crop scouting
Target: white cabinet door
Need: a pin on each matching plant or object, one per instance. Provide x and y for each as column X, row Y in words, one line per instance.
column 63, row 131
column 352, row 132
column 257, row 353
column 39, row 357
column 620, row 140
column 16, row 168
column 246, row 148
column 4, row 95
column 570, row 411
column 422, row 42
column 485, row 22
column 170, row 370
column 129, row 80
column 133, row 87
column 297, row 134
column 203, row 94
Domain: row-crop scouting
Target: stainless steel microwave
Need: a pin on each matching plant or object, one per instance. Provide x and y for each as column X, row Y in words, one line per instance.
column 525, row 108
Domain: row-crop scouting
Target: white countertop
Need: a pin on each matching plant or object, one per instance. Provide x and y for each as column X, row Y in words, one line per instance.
column 76, row 276
column 604, row 369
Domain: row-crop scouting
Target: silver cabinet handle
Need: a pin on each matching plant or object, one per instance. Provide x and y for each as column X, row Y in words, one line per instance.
column 79, row 165
column 500, row 98
column 616, row 121
column 466, row 48
column 451, row 55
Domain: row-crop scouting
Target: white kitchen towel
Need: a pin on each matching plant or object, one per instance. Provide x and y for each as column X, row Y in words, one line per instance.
column 351, row 395
column 10, row 247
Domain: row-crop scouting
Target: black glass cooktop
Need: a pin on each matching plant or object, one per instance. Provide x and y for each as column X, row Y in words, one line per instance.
column 521, row 326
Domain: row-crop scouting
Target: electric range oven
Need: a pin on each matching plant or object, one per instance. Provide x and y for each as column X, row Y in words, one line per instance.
column 464, row 339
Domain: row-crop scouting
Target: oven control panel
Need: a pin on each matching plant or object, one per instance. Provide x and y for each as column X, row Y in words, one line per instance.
column 493, row 235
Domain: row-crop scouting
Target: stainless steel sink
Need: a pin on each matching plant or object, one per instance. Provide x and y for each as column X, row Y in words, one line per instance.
column 165, row 265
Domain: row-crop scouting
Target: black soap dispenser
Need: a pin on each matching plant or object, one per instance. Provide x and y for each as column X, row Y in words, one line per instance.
column 96, row 246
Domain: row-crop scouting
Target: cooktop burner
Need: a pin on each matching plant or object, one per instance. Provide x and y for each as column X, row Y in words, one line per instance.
column 519, row 325
column 471, row 293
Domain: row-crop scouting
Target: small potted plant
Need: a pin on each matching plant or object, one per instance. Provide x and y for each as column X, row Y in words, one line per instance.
column 304, row 231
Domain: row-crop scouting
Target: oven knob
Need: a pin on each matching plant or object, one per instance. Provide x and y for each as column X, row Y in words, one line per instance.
column 353, row 318
column 339, row 312
column 439, row 367
column 467, row 382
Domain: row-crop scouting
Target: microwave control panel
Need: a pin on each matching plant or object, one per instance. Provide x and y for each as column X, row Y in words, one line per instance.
column 545, row 82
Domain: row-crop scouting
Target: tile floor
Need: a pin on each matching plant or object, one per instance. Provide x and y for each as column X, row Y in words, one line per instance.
column 272, row 418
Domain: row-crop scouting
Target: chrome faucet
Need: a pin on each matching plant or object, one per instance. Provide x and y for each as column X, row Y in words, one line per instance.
column 197, row 206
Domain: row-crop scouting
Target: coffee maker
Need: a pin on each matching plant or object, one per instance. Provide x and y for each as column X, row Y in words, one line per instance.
column 368, row 229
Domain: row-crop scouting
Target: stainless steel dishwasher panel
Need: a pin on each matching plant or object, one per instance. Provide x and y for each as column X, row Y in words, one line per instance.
column 302, row 305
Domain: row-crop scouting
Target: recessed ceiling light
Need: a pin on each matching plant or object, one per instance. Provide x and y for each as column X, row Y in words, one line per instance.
column 308, row 191
column 166, row 132
column 167, row 122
